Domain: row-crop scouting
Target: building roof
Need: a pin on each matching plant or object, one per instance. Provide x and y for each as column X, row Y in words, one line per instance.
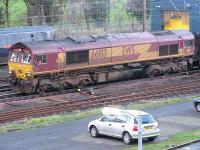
column 16, row 30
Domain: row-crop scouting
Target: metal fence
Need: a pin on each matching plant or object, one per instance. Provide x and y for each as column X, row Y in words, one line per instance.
column 83, row 17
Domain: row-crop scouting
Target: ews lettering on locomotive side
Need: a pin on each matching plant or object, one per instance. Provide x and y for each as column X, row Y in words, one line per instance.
column 128, row 50
column 99, row 53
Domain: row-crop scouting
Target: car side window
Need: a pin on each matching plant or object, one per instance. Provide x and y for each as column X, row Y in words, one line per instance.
column 118, row 120
column 122, row 118
column 106, row 119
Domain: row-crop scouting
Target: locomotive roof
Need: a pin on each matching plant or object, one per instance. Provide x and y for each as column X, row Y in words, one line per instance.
column 92, row 42
column 16, row 30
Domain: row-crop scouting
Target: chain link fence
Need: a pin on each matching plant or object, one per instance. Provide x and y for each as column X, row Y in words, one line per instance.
column 85, row 17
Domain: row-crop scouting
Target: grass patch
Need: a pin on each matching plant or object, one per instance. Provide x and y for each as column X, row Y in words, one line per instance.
column 175, row 140
column 44, row 121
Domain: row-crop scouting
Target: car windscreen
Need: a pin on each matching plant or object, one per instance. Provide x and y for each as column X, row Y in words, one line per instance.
column 146, row 119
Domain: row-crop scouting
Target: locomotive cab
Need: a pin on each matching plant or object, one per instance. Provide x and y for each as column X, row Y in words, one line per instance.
column 20, row 63
column 20, row 68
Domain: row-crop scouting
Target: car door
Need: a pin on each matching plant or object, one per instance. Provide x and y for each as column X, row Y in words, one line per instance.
column 119, row 125
column 105, row 126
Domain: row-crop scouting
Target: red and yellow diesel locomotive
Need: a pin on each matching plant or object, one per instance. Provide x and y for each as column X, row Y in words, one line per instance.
column 37, row 66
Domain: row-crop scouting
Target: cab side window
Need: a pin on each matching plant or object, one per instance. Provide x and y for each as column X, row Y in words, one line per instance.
column 42, row 59
column 188, row 44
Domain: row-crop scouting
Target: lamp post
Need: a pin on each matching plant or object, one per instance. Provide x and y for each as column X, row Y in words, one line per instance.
column 139, row 132
column 144, row 15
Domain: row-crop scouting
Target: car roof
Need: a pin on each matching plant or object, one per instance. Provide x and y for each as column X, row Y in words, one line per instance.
column 136, row 112
column 112, row 111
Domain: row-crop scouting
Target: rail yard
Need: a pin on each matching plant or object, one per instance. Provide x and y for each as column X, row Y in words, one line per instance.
column 60, row 91
column 137, row 63
column 16, row 106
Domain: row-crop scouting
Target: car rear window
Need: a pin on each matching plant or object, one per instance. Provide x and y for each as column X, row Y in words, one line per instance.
column 146, row 119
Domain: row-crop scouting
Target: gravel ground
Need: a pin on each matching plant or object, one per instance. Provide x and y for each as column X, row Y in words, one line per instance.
column 3, row 71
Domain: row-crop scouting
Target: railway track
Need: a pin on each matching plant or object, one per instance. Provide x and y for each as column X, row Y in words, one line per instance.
column 4, row 80
column 16, row 96
column 5, row 88
column 125, row 97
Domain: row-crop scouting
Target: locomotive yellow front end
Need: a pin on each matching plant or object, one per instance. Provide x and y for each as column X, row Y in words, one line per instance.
column 21, row 69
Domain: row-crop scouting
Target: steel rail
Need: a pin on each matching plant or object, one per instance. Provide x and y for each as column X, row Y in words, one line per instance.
column 56, row 107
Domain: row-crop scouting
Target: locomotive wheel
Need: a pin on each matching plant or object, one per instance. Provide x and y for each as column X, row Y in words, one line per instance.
column 42, row 89
column 154, row 73
column 13, row 81
column 83, row 83
column 29, row 89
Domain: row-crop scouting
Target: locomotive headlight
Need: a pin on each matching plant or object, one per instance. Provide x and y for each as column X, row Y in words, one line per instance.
column 10, row 72
column 28, row 74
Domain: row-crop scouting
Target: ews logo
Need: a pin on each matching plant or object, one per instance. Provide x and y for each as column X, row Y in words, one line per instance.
column 128, row 50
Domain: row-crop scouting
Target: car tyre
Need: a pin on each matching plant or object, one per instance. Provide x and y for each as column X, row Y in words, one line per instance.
column 127, row 138
column 152, row 138
column 93, row 131
column 197, row 107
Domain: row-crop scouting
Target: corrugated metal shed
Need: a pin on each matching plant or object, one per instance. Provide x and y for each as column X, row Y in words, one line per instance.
column 191, row 6
column 27, row 29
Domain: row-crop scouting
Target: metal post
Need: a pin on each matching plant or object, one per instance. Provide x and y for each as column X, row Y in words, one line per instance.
column 139, row 132
column 144, row 15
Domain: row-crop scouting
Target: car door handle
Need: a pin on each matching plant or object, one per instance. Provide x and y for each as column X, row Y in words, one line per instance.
column 110, row 124
column 123, row 126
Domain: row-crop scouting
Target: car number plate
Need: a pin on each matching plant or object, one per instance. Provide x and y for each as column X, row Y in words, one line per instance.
column 148, row 128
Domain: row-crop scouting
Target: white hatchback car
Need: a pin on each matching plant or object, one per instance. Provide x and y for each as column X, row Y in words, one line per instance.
column 124, row 124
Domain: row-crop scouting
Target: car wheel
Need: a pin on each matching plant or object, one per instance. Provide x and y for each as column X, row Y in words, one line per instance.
column 127, row 138
column 152, row 138
column 93, row 131
column 198, row 107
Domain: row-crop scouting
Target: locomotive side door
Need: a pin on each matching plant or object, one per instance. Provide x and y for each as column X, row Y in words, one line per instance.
column 181, row 44
column 61, row 58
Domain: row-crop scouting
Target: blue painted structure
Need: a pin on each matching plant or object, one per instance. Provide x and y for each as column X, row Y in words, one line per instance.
column 9, row 36
column 192, row 6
